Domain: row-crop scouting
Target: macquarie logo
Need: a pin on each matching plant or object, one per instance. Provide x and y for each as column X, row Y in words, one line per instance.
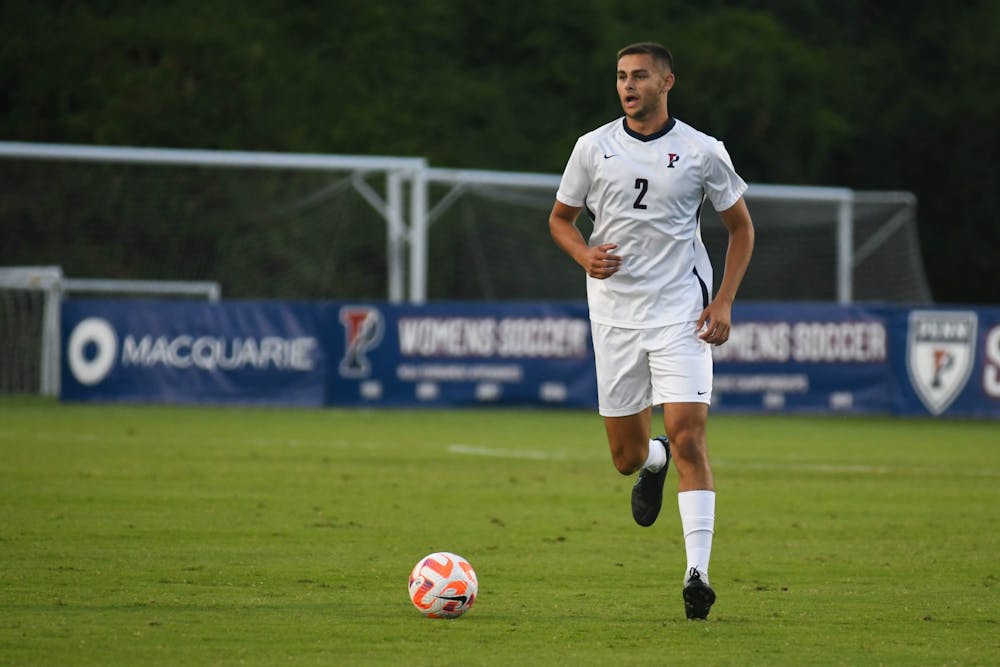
column 219, row 353
column 93, row 350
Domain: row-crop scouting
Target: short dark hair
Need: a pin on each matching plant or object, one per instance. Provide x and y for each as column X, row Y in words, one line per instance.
column 659, row 52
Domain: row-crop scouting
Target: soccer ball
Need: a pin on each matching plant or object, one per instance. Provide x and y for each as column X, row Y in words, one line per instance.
column 443, row 585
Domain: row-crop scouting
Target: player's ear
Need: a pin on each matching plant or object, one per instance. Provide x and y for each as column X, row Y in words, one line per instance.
column 668, row 82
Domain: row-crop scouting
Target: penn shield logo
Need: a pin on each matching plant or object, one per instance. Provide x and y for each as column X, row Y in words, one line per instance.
column 940, row 353
column 91, row 350
column 363, row 328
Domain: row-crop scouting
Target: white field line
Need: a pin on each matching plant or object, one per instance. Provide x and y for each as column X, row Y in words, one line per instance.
column 532, row 454
column 523, row 454
column 821, row 468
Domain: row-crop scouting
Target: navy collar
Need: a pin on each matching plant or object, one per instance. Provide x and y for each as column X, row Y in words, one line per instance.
column 648, row 137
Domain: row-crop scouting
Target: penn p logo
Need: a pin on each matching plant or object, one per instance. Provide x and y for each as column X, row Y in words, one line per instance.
column 363, row 328
column 671, row 159
column 940, row 352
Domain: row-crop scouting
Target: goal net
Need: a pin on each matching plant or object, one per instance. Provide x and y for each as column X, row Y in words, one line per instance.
column 495, row 238
column 21, row 327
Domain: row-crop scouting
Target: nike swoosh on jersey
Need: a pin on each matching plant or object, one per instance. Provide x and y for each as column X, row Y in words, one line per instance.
column 612, row 155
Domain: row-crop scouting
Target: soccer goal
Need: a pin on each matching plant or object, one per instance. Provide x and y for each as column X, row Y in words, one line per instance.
column 29, row 318
column 813, row 243
column 264, row 225
column 299, row 226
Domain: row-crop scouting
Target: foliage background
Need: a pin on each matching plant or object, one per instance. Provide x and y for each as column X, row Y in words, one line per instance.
column 863, row 95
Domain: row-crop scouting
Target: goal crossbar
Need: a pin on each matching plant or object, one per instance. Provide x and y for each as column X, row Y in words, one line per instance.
column 208, row 158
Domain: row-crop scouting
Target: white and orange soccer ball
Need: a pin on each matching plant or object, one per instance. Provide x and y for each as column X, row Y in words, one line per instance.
column 443, row 585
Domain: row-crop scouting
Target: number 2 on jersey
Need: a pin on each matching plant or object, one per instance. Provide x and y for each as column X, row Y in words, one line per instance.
column 641, row 184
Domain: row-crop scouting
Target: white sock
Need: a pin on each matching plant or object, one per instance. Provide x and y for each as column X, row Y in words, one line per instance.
column 697, row 510
column 657, row 457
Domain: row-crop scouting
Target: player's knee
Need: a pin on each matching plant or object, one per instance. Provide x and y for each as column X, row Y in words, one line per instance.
column 626, row 463
column 688, row 446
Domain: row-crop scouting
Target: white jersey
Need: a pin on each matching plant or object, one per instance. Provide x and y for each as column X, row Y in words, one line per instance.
column 645, row 193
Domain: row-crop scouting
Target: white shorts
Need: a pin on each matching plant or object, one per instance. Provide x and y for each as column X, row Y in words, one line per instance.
column 637, row 368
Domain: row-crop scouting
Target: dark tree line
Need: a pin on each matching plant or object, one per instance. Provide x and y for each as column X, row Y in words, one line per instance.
column 857, row 94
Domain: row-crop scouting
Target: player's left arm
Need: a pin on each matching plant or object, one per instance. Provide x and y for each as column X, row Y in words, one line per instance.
column 716, row 320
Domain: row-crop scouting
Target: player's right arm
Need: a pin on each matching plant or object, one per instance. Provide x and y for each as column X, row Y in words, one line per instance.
column 598, row 261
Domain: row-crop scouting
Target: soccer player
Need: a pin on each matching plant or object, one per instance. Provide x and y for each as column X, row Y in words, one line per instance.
column 643, row 179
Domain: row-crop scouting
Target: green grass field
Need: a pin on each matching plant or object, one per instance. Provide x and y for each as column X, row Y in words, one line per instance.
column 191, row 536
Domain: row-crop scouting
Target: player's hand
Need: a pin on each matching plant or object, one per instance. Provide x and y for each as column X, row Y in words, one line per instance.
column 715, row 323
column 599, row 262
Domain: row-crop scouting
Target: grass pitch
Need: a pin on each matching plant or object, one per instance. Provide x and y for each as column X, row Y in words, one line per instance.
column 169, row 535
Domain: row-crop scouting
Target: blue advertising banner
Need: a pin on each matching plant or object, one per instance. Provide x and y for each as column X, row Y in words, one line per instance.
column 191, row 352
column 810, row 358
column 878, row 359
column 460, row 354
column 805, row 358
column 947, row 361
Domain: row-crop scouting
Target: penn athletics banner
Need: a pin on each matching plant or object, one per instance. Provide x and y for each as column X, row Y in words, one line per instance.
column 192, row 352
column 809, row 358
column 477, row 353
column 804, row 358
column 870, row 359
column 952, row 361
column 815, row 358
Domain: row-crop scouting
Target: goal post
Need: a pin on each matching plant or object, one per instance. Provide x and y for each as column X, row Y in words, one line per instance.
column 29, row 337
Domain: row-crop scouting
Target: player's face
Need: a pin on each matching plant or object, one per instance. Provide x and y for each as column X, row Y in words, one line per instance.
column 642, row 85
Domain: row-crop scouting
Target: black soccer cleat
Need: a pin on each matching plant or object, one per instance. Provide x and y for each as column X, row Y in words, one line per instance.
column 647, row 493
column 698, row 597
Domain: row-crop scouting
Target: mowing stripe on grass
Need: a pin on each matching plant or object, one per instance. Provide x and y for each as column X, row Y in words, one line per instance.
column 830, row 468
